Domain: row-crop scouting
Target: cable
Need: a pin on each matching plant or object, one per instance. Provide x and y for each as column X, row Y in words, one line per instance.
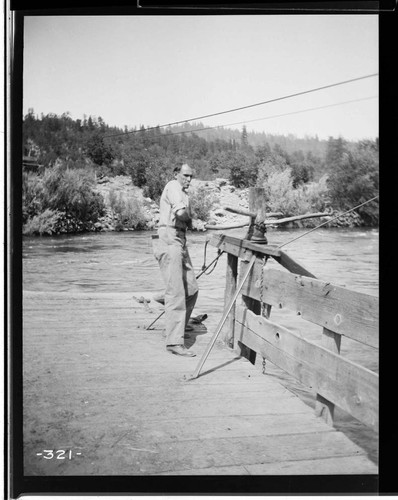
column 268, row 117
column 248, row 106
column 327, row 222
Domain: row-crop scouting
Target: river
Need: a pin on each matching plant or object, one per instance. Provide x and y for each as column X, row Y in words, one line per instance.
column 123, row 262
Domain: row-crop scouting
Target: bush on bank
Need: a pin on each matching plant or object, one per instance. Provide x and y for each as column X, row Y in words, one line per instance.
column 283, row 197
column 62, row 200
column 127, row 211
column 202, row 202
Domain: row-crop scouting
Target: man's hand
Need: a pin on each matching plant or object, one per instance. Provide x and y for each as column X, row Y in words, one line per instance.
column 183, row 215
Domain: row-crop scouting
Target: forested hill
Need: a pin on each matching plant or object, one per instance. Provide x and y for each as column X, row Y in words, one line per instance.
column 51, row 136
column 289, row 143
column 298, row 174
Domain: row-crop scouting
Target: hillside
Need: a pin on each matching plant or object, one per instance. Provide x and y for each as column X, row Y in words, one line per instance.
column 74, row 170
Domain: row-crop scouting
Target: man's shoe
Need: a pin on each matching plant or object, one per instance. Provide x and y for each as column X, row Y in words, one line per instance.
column 180, row 350
column 189, row 328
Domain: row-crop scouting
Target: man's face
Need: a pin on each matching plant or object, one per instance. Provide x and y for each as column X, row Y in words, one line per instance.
column 184, row 177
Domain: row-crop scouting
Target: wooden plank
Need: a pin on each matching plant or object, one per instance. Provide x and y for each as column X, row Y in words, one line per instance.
column 230, row 426
column 238, row 246
column 230, row 288
column 343, row 311
column 324, row 408
column 292, row 265
column 136, row 456
column 254, row 306
column 142, row 406
column 348, row 385
column 325, row 466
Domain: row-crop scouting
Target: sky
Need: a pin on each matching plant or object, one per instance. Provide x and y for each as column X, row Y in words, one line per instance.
column 154, row 70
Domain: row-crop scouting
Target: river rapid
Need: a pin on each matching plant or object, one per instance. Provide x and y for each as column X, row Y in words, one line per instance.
column 124, row 262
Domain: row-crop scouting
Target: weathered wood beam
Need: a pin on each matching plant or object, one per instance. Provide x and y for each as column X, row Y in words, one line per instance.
column 296, row 217
column 292, row 265
column 214, row 227
column 267, row 222
column 323, row 407
column 348, row 385
column 243, row 248
column 345, row 312
column 238, row 246
column 230, row 288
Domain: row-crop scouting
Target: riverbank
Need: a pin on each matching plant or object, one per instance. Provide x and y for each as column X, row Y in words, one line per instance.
column 220, row 191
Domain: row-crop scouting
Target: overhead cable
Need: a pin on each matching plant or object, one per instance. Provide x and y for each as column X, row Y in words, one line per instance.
column 248, row 106
column 268, row 117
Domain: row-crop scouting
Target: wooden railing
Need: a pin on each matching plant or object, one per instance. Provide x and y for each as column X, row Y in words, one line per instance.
column 340, row 312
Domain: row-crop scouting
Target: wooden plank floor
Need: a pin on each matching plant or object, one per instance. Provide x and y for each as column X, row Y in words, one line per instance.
column 97, row 383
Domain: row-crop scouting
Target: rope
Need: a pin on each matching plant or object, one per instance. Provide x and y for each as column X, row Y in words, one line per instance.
column 327, row 222
column 204, row 267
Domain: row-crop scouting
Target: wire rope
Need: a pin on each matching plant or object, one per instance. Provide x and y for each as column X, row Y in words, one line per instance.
column 327, row 222
column 167, row 134
column 289, row 96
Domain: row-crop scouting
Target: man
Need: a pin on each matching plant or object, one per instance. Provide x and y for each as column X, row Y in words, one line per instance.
column 175, row 264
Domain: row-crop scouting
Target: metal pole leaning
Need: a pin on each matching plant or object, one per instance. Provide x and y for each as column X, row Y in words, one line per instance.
column 223, row 319
column 197, row 277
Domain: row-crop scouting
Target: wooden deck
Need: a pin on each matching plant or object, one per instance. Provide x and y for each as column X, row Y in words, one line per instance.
column 97, row 383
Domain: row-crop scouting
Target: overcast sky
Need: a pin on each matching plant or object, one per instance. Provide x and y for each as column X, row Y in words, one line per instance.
column 153, row 70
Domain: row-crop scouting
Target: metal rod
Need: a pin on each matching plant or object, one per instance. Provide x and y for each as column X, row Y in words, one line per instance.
column 197, row 277
column 223, row 319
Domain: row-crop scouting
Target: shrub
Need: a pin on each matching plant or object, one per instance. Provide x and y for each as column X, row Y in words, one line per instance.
column 61, row 200
column 127, row 210
column 317, row 194
column 279, row 192
column 282, row 197
column 32, row 190
column 48, row 222
column 156, row 179
column 201, row 203
column 72, row 192
column 269, row 165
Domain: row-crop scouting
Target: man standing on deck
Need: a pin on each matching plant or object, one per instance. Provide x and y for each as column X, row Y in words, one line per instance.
column 174, row 260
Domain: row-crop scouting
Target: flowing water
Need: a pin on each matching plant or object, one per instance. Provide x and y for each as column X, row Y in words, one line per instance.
column 123, row 262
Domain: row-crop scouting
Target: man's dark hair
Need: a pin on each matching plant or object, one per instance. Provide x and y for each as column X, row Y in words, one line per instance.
column 178, row 166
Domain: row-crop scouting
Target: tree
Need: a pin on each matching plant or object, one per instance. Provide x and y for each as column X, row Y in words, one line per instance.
column 301, row 170
column 355, row 179
column 99, row 152
column 336, row 148
column 243, row 139
column 242, row 169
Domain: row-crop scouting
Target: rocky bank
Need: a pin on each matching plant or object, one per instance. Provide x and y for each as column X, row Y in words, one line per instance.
column 222, row 193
